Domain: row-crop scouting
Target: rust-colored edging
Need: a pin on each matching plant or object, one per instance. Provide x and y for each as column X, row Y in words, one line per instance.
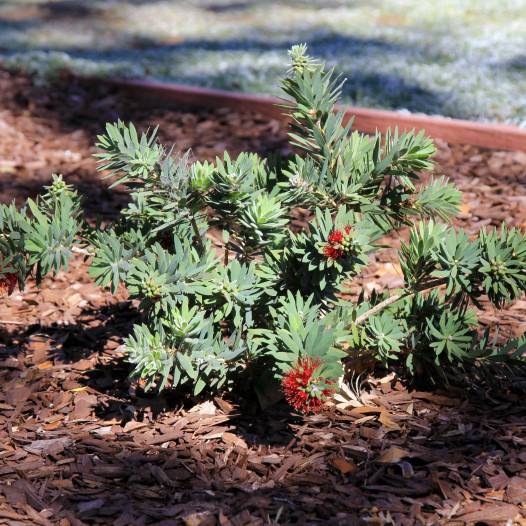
column 454, row 131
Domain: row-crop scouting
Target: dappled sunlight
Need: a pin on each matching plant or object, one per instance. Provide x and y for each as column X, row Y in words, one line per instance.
column 458, row 60
column 83, row 443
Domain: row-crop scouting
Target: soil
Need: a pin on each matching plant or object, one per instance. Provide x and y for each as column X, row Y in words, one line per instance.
column 80, row 443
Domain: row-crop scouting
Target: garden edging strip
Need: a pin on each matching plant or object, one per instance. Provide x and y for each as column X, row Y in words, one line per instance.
column 454, row 131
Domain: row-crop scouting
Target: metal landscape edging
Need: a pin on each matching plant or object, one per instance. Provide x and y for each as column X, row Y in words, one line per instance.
column 454, row 131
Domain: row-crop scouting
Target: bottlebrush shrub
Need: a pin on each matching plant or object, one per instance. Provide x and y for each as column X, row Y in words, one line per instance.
column 266, row 311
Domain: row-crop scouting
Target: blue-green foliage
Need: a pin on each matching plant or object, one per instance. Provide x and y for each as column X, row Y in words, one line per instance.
column 231, row 291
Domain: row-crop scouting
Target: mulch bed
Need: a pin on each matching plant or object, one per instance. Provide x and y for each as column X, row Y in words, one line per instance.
column 80, row 443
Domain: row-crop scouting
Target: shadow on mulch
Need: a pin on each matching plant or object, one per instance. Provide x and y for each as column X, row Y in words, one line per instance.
column 73, row 342
column 68, row 345
column 71, row 114
column 84, row 442
column 80, row 443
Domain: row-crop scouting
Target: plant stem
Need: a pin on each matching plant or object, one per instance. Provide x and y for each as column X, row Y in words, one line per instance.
column 379, row 307
column 391, row 299
column 196, row 232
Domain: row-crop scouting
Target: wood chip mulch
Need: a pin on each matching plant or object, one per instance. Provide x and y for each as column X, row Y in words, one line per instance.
column 80, row 443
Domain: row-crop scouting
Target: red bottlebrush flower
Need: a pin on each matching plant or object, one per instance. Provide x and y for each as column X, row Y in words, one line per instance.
column 303, row 389
column 336, row 237
column 8, row 283
column 338, row 244
column 332, row 252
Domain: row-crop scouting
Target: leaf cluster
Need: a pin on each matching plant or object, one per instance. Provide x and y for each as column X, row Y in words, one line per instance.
column 232, row 292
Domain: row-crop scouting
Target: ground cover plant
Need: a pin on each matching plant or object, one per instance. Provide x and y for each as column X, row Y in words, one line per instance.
column 270, row 309
column 459, row 59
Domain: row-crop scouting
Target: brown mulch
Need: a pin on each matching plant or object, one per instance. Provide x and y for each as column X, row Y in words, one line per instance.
column 80, row 443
